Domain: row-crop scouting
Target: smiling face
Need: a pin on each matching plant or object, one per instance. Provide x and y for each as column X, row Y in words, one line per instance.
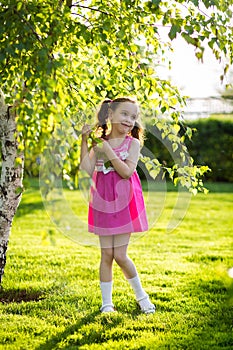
column 123, row 118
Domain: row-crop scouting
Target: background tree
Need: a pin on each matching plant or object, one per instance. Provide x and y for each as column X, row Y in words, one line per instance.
column 59, row 59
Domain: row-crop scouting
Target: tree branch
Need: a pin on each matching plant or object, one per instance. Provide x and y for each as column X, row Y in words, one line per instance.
column 31, row 27
column 92, row 9
column 82, row 16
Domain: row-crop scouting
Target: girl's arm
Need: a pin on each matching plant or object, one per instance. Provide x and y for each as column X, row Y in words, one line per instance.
column 124, row 168
column 88, row 160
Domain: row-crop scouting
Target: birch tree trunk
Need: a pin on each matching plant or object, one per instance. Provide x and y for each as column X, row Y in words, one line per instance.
column 11, row 176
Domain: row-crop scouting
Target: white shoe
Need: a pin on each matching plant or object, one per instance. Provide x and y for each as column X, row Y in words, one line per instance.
column 107, row 308
column 146, row 305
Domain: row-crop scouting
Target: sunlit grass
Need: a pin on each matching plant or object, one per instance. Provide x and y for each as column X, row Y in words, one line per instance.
column 51, row 298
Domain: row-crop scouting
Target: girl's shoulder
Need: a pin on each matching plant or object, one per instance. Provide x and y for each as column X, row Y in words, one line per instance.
column 129, row 142
column 132, row 140
column 126, row 143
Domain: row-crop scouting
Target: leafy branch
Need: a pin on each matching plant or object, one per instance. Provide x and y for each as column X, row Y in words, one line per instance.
column 92, row 9
column 30, row 27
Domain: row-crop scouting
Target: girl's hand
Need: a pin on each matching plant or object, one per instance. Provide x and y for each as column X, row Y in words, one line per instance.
column 101, row 145
column 86, row 130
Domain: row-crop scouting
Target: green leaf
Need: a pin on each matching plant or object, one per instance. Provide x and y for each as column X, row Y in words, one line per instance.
column 174, row 147
column 19, row 190
column 193, row 191
column 108, row 164
column 156, row 2
column 95, row 139
column 163, row 109
column 154, row 173
column 175, row 28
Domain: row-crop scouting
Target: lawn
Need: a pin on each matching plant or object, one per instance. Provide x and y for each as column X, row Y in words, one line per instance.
column 50, row 297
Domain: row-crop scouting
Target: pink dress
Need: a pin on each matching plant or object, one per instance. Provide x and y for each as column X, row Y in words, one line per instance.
column 116, row 205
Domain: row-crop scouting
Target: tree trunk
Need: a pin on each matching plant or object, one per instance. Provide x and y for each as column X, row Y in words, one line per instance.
column 11, row 176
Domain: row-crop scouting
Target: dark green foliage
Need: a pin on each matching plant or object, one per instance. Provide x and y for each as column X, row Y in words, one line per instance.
column 211, row 145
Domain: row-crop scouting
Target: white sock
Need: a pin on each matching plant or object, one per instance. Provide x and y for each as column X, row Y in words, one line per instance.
column 137, row 287
column 106, row 291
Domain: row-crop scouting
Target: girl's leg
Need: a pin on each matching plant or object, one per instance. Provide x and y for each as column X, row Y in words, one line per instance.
column 106, row 273
column 106, row 258
column 120, row 255
column 130, row 272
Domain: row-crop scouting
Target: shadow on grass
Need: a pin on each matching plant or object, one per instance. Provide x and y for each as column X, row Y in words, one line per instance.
column 207, row 322
column 74, row 336
column 19, row 296
column 30, row 207
column 26, row 208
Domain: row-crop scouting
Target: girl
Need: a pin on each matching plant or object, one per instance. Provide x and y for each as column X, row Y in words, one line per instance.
column 116, row 207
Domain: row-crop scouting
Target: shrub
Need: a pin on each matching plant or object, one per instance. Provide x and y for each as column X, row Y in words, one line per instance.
column 211, row 145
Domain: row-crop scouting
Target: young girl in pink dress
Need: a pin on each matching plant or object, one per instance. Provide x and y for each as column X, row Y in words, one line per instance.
column 116, row 207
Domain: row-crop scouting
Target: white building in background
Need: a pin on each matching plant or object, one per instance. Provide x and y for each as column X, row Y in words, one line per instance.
column 201, row 107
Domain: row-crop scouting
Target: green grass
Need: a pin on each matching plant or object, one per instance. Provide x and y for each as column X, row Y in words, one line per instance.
column 51, row 298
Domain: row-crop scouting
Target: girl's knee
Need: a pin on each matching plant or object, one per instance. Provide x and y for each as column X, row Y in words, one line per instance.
column 107, row 255
column 120, row 258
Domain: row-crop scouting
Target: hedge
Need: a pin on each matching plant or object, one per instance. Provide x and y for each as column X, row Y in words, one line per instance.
column 211, row 144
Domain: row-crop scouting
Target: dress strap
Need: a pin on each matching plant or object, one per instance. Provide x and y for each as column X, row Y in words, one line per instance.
column 128, row 142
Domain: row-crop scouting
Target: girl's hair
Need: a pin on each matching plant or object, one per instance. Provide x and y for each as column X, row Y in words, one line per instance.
column 136, row 132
